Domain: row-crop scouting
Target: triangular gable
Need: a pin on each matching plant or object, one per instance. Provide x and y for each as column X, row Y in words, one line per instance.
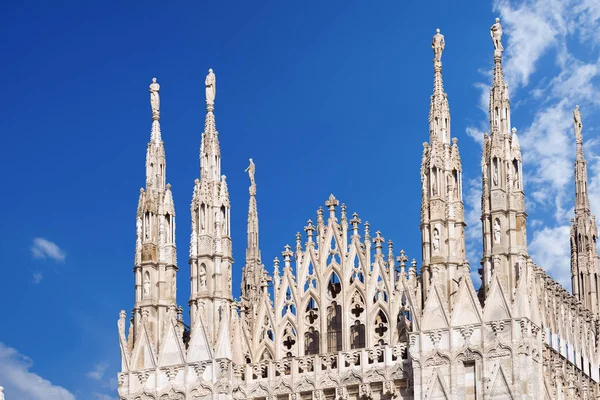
column 223, row 346
column 237, row 351
column 144, row 354
column 521, row 308
column 170, row 351
column 123, row 345
column 500, row 386
column 536, row 317
column 198, row 350
column 467, row 309
column 435, row 314
column 407, row 291
column 496, row 306
column 438, row 389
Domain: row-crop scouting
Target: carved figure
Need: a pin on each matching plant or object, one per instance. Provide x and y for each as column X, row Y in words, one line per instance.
column 438, row 45
column 436, row 240
column 250, row 170
column 147, row 285
column 433, row 184
column 496, row 33
column 577, row 120
column 496, row 231
column 211, row 87
column 202, row 276
column 154, row 97
column 495, row 173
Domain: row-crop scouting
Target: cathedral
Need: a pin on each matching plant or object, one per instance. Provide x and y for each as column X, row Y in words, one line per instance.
column 346, row 316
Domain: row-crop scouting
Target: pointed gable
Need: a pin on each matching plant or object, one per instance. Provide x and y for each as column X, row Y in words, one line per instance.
column 144, row 355
column 521, row 307
column 496, row 306
column 500, row 386
column 199, row 349
column 435, row 313
column 467, row 309
column 223, row 346
column 171, row 352
column 438, row 389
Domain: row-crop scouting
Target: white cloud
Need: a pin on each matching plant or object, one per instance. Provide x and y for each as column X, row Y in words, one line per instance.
column 559, row 39
column 20, row 383
column 45, row 249
column 550, row 249
column 97, row 373
column 37, row 277
column 100, row 396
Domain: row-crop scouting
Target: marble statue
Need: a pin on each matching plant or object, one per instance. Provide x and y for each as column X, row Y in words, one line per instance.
column 496, row 33
column 577, row 120
column 436, row 240
column 147, row 286
column 155, row 97
column 202, row 276
column 433, row 184
column 438, row 45
column 495, row 174
column 211, row 87
column 496, row 231
column 250, row 170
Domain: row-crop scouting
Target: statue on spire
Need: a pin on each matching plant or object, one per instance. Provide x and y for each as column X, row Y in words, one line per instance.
column 577, row 120
column 155, row 98
column 250, row 170
column 211, row 87
column 438, row 45
column 496, row 33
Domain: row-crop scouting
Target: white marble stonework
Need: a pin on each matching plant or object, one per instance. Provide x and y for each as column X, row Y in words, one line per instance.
column 348, row 315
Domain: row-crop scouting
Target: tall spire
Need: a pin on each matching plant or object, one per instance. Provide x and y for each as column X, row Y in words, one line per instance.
column 503, row 214
column 582, row 201
column 584, row 233
column 210, row 244
column 210, row 152
column 442, row 215
column 155, row 259
column 439, row 111
column 254, row 276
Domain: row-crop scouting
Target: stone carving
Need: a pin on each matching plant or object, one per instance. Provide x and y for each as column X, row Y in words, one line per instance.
column 434, row 190
column 147, row 285
column 251, row 168
column 211, row 87
column 496, row 33
column 155, row 98
column 438, row 45
column 495, row 173
column 202, row 276
column 436, row 240
column 497, row 231
column 577, row 120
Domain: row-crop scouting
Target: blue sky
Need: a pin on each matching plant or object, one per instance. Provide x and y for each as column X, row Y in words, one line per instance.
column 325, row 98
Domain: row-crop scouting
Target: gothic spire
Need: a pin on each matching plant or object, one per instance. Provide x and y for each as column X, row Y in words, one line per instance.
column 582, row 201
column 499, row 100
column 210, row 153
column 254, row 276
column 155, row 155
column 439, row 112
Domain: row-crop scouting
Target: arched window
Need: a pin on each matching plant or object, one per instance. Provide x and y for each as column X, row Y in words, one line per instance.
column 311, row 341
column 289, row 340
column 334, row 327
column 169, row 229
column 357, row 335
column 381, row 327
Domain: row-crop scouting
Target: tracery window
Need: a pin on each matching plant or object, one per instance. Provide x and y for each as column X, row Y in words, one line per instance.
column 311, row 341
column 381, row 327
column 357, row 335
column 334, row 327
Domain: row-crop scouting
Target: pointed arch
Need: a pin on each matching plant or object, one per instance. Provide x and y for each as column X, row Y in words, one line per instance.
column 334, row 285
column 334, row 327
column 381, row 326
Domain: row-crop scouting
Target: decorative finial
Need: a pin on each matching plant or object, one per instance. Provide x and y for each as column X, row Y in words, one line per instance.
column 438, row 45
column 250, row 170
column 211, row 90
column 155, row 99
column 496, row 33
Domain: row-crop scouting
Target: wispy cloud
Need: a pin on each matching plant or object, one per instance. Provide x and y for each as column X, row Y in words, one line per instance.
column 548, row 36
column 97, row 373
column 20, row 383
column 37, row 277
column 44, row 249
column 100, row 396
